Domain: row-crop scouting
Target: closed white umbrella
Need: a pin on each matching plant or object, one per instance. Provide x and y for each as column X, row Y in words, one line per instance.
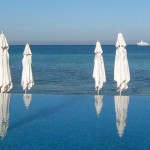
column 27, row 80
column 98, row 104
column 121, row 108
column 99, row 69
column 27, row 99
column 4, row 113
column 121, row 68
column 5, row 75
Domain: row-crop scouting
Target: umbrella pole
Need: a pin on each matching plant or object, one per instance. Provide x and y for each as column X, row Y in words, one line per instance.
column 120, row 92
column 97, row 91
column 25, row 91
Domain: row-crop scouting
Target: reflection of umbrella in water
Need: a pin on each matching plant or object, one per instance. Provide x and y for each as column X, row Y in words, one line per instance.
column 27, row 99
column 98, row 104
column 121, row 68
column 5, row 75
column 121, row 108
column 4, row 113
column 99, row 69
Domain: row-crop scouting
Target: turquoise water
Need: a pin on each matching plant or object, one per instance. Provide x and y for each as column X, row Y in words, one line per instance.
column 48, row 122
column 63, row 70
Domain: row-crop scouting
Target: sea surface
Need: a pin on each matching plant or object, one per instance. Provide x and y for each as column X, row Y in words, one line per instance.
column 67, row 69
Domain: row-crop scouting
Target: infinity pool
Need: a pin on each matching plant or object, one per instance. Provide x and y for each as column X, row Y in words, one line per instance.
column 45, row 122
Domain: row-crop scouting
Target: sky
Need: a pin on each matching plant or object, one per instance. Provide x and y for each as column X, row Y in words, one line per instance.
column 74, row 21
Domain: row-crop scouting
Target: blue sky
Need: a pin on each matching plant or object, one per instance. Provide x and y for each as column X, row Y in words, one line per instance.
column 75, row 21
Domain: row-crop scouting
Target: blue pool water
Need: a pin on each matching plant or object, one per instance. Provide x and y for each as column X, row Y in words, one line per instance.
column 49, row 122
column 63, row 70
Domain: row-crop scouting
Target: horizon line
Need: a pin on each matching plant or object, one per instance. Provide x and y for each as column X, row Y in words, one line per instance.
column 70, row 42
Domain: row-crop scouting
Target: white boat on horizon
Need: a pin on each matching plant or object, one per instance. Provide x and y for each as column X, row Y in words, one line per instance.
column 141, row 43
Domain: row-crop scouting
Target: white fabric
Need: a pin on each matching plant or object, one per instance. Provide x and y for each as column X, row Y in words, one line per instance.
column 99, row 69
column 121, row 108
column 27, row 50
column 27, row 99
column 98, row 48
column 4, row 113
column 5, row 75
column 27, row 78
column 120, row 41
column 1, row 67
column 3, row 41
column 121, row 69
column 98, row 104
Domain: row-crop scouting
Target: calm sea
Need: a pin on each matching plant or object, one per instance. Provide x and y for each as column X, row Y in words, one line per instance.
column 67, row 69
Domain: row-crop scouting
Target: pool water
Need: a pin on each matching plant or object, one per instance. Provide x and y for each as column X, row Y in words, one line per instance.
column 42, row 121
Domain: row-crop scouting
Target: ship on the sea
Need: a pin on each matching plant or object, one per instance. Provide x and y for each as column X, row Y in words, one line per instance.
column 142, row 43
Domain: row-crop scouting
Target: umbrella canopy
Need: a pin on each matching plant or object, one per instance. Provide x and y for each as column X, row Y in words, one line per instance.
column 98, row 104
column 27, row 99
column 4, row 113
column 27, row 78
column 121, row 108
column 5, row 75
column 99, row 69
column 121, row 68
